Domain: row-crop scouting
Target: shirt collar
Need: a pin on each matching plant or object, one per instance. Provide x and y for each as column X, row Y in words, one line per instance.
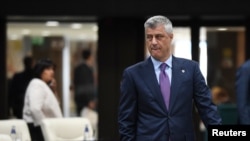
column 157, row 63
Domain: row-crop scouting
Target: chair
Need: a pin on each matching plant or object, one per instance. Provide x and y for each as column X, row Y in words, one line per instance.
column 65, row 129
column 21, row 128
column 228, row 113
column 4, row 137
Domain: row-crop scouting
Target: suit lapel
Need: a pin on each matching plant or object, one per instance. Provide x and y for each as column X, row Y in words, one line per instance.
column 177, row 73
column 151, row 81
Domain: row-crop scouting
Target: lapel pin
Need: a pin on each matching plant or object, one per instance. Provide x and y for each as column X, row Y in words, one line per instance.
column 183, row 71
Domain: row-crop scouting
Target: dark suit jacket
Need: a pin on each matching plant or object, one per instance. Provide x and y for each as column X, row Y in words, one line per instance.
column 17, row 90
column 83, row 79
column 243, row 93
column 142, row 112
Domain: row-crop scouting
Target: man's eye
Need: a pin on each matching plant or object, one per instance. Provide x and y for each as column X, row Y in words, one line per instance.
column 149, row 37
column 159, row 36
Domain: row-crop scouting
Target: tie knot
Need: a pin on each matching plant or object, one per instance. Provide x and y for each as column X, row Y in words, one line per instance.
column 163, row 66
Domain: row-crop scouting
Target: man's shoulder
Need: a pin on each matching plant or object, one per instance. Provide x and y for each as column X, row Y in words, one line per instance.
column 184, row 60
column 18, row 75
column 246, row 65
column 81, row 66
column 136, row 65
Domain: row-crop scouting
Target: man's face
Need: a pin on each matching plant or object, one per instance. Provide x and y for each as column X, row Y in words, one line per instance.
column 158, row 42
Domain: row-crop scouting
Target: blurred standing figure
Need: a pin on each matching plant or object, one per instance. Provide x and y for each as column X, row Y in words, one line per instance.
column 18, row 86
column 146, row 111
column 243, row 93
column 90, row 112
column 40, row 101
column 83, row 80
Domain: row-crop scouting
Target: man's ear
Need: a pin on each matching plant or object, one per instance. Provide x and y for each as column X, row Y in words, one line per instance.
column 171, row 36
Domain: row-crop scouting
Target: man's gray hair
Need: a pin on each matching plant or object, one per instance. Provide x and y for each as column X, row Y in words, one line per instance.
column 154, row 21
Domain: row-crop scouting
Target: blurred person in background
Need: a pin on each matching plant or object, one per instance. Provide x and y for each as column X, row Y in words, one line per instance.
column 18, row 86
column 220, row 95
column 243, row 93
column 40, row 101
column 90, row 111
column 83, row 80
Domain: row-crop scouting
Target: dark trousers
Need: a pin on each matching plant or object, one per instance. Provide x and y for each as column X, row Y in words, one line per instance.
column 81, row 100
column 35, row 132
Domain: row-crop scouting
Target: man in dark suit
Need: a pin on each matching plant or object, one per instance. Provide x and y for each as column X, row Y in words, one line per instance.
column 83, row 79
column 18, row 87
column 144, row 113
column 243, row 93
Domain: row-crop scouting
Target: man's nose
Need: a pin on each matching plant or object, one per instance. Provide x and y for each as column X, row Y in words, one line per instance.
column 154, row 41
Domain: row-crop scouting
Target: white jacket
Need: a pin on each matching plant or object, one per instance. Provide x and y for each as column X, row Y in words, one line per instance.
column 40, row 102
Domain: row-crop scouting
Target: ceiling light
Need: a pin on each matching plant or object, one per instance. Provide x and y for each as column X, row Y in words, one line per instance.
column 76, row 26
column 222, row 29
column 52, row 23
